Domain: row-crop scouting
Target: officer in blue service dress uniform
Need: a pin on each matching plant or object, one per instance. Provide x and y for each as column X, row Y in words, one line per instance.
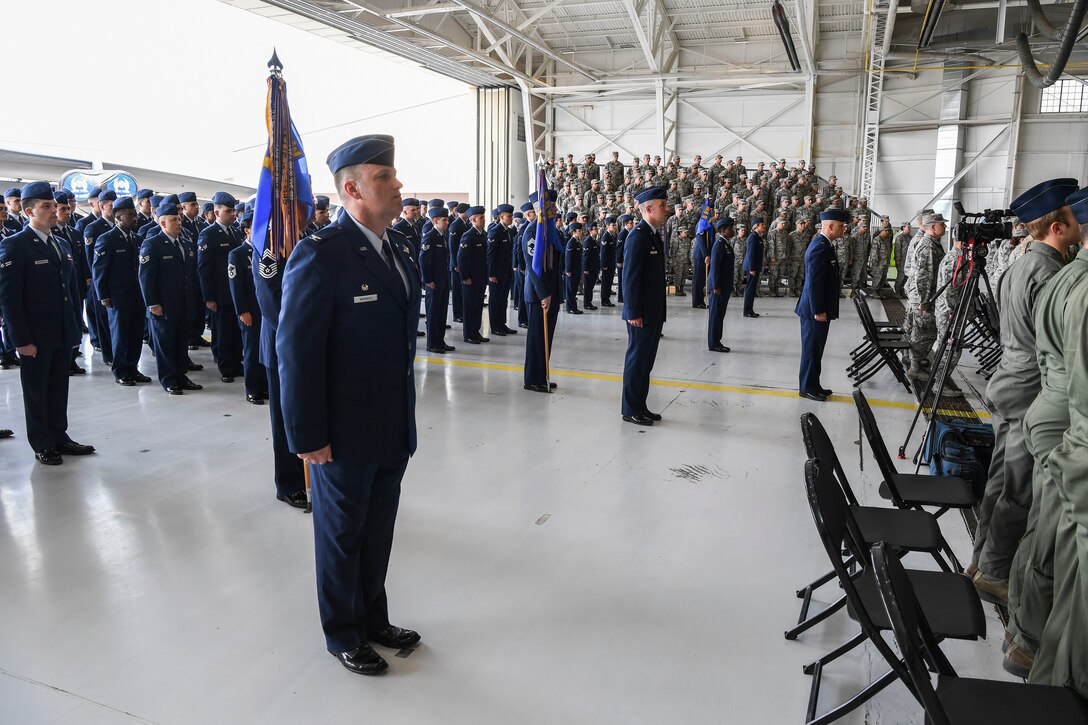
column 472, row 266
column 213, row 246
column 117, row 286
column 719, row 282
column 91, row 232
column 541, row 301
column 434, row 260
column 819, row 302
column 608, row 260
column 290, row 476
column 519, row 265
column 753, row 264
column 500, row 269
column 347, row 343
column 644, row 303
column 244, row 295
column 166, row 283
column 458, row 225
column 37, row 299
column 572, row 266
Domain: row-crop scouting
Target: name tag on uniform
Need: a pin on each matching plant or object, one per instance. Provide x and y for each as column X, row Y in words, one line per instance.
column 653, row 251
column 120, row 251
column 165, row 256
column 366, row 298
column 41, row 261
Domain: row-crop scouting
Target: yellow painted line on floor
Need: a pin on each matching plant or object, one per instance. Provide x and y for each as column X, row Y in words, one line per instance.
column 689, row 385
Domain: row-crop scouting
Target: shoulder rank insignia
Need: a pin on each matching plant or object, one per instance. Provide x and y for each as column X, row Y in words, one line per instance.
column 145, row 259
column 204, row 247
column 268, row 266
column 100, row 253
column 426, row 247
column 231, row 271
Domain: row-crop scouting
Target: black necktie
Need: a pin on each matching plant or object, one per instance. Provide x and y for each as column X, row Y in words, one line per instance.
column 387, row 252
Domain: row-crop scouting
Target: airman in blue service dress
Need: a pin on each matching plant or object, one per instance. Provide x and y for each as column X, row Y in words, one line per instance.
column 572, row 266
column 434, row 259
column 347, row 343
column 608, row 260
column 243, row 294
column 540, row 289
column 166, row 283
column 82, row 274
column 213, row 246
column 591, row 264
column 458, row 225
column 719, row 282
column 500, row 269
column 753, row 266
column 91, row 232
column 627, row 223
column 116, row 260
column 472, row 263
column 290, row 477
column 643, row 307
column 519, row 265
column 37, row 299
column 819, row 304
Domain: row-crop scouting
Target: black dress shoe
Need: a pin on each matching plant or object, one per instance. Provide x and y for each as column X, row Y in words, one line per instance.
column 227, row 378
column 473, row 340
column 450, row 348
column 362, row 661
column 607, row 304
column 523, row 326
column 827, row 392
column 194, row 367
column 590, row 307
column 698, row 307
column 437, row 350
column 751, row 314
column 175, row 390
column 576, row 312
column 553, row 386
column 76, row 370
column 484, row 339
column 255, row 399
column 681, row 293
column 5, row 433
column 459, row 319
column 296, row 499
column 637, row 420
column 509, row 330
column 141, row 378
column 194, row 347
column 393, row 637
column 420, row 333
column 500, row 333
column 188, row 384
column 652, row 416
column 719, row 348
column 49, row 457
column 449, row 327
column 127, row 382
column 538, row 388
column 71, row 448
column 818, row 397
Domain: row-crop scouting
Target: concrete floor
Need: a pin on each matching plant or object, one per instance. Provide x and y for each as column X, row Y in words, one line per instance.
column 562, row 566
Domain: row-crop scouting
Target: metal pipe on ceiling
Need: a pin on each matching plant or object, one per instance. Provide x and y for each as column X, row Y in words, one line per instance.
column 1068, row 39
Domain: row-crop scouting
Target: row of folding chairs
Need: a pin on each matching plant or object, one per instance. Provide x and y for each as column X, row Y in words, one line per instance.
column 920, row 608
column 880, row 347
column 982, row 336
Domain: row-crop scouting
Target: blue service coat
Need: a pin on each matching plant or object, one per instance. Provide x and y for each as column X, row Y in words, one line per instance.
column 213, row 247
column 454, row 233
column 240, row 277
column 608, row 251
column 37, row 291
column 753, row 254
column 722, row 261
column 116, row 260
column 591, row 254
column 821, row 291
column 472, row 256
column 166, row 277
column 434, row 260
column 500, row 252
column 644, row 275
column 346, row 342
column 546, row 284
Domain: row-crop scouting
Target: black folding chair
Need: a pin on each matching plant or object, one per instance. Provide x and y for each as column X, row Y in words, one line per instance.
column 910, row 490
column 960, row 700
column 906, row 529
column 880, row 348
column 949, row 600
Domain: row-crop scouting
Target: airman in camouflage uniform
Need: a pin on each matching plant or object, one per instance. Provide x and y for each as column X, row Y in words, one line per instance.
column 860, row 241
column 899, row 245
column 879, row 255
column 796, row 246
column 614, row 170
column 739, row 245
column 921, row 284
column 945, row 308
column 842, row 257
column 593, row 171
column 775, row 252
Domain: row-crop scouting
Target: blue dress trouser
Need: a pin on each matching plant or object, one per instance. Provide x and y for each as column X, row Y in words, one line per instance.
column 642, row 345
column 290, row 471
column 44, row 379
column 719, row 303
column 813, row 340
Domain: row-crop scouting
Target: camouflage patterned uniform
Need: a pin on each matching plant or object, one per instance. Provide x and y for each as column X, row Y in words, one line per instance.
column 842, row 256
column 945, row 308
column 879, row 254
column 776, row 250
column 921, row 285
column 739, row 244
column 899, row 245
column 796, row 247
column 860, row 242
column 614, row 172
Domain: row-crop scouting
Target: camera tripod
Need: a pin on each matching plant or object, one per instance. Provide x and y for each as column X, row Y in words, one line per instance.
column 969, row 272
